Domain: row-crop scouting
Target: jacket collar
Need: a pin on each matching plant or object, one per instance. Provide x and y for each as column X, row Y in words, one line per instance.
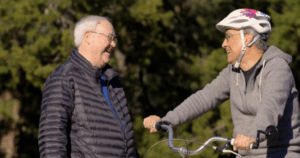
column 93, row 71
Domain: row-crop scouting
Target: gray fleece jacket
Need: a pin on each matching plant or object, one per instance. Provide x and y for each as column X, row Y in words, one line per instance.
column 270, row 98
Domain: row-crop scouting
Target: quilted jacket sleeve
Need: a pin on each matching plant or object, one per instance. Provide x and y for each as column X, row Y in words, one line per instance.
column 55, row 119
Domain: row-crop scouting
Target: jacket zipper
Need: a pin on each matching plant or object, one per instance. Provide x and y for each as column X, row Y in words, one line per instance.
column 115, row 113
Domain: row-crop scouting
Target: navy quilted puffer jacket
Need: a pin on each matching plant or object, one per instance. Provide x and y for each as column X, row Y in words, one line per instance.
column 76, row 120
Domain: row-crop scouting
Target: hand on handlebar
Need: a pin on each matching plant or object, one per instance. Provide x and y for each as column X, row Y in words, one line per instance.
column 243, row 142
column 150, row 121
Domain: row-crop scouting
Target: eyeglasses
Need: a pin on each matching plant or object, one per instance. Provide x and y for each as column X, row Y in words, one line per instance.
column 228, row 35
column 111, row 37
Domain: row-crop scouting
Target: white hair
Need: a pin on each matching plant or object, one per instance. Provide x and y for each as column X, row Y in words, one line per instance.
column 261, row 43
column 87, row 23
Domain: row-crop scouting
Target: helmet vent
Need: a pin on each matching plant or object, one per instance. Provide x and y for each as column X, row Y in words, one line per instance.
column 239, row 21
column 264, row 25
column 260, row 18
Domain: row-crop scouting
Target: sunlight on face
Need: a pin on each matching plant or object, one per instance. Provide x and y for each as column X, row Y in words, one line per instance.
column 233, row 45
column 103, row 43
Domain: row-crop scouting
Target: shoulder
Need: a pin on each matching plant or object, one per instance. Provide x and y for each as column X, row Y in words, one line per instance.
column 223, row 77
column 227, row 70
column 276, row 58
column 61, row 76
column 277, row 64
column 63, row 69
column 277, row 69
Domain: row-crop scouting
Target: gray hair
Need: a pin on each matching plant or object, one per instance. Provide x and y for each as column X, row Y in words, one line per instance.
column 261, row 43
column 87, row 23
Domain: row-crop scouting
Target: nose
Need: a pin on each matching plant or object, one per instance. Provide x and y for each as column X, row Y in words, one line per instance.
column 224, row 44
column 113, row 43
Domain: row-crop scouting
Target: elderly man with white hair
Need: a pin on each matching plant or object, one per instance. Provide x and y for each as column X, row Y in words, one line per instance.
column 84, row 110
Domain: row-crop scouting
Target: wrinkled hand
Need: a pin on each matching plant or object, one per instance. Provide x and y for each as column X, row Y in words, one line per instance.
column 150, row 121
column 243, row 142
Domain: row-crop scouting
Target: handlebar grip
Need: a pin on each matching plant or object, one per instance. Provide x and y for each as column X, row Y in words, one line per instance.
column 158, row 124
column 252, row 145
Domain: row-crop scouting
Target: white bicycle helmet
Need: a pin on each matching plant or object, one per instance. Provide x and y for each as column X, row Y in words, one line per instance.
column 246, row 18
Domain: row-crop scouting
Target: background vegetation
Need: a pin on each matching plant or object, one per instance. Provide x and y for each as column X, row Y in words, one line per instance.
column 167, row 50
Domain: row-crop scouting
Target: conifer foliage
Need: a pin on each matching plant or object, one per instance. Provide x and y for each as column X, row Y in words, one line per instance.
column 167, row 50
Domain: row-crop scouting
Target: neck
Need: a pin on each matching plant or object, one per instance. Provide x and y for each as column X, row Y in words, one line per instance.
column 85, row 53
column 250, row 58
column 93, row 58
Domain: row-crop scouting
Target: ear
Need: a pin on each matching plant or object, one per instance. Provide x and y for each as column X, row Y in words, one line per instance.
column 248, row 38
column 87, row 38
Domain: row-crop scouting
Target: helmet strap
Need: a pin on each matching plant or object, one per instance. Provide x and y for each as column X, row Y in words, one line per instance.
column 238, row 62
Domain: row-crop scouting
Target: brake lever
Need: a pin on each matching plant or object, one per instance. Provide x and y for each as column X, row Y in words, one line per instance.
column 225, row 146
column 232, row 152
column 224, row 149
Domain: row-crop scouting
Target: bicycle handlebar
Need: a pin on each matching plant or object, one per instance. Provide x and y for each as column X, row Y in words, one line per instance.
column 271, row 134
column 185, row 151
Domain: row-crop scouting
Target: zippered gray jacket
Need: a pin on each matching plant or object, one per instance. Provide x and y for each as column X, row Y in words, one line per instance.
column 270, row 98
column 76, row 120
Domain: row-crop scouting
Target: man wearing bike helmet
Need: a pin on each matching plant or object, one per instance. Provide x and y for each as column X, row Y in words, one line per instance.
column 259, row 83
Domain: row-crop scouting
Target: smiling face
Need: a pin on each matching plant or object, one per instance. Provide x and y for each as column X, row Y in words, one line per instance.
column 102, row 43
column 233, row 45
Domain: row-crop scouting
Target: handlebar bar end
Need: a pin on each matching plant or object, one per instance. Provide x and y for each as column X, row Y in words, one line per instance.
column 254, row 146
column 158, row 125
column 272, row 133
